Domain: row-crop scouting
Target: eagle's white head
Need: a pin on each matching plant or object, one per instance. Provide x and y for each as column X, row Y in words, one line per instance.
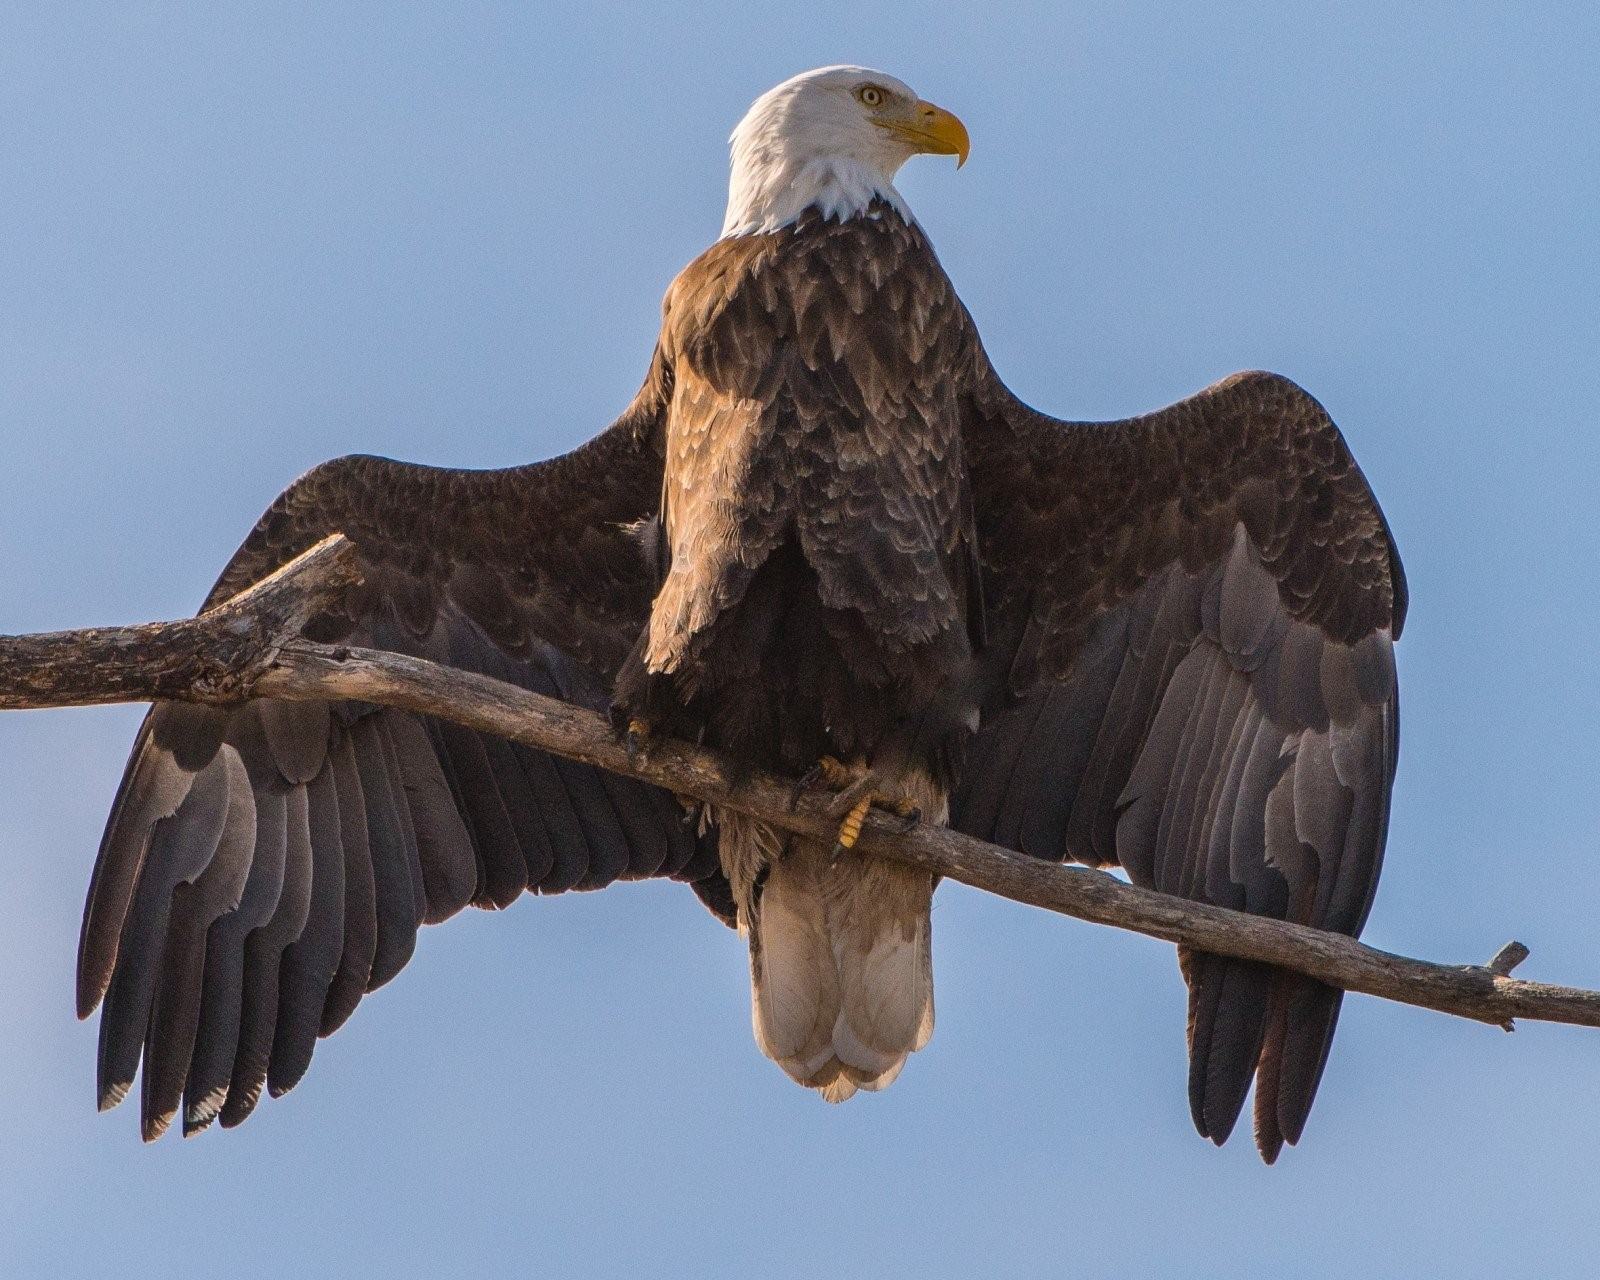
column 832, row 139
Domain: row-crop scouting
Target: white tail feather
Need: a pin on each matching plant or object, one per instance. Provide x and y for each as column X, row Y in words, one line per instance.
column 793, row 985
column 841, row 972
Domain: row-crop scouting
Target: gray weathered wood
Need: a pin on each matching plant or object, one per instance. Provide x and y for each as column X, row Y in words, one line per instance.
column 215, row 657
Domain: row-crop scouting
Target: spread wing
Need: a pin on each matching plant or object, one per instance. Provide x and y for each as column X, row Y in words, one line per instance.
column 265, row 865
column 1192, row 676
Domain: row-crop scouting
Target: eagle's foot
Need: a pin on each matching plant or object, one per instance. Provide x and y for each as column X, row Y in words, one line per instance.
column 636, row 736
column 850, row 828
column 827, row 772
column 834, row 773
column 859, row 788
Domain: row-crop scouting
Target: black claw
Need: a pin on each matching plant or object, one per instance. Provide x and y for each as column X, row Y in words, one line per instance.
column 911, row 819
column 804, row 783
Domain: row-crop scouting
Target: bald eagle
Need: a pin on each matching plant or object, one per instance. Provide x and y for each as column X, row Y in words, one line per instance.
column 827, row 540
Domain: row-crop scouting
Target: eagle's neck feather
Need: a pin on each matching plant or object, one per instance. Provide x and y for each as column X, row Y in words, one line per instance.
column 767, row 191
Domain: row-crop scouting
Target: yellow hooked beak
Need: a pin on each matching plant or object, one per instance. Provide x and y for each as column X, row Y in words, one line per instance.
column 932, row 130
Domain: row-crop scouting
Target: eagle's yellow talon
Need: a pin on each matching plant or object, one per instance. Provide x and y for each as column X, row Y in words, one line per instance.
column 833, row 773
column 856, row 786
column 637, row 737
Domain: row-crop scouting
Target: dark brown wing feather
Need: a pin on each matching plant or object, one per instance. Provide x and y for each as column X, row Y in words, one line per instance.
column 266, row 865
column 1192, row 676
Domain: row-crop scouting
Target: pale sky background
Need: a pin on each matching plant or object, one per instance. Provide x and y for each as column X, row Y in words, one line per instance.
column 236, row 240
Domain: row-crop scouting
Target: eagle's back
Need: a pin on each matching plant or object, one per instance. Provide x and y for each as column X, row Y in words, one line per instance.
column 815, row 401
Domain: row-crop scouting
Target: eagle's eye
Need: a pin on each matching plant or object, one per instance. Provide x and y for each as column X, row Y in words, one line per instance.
column 870, row 95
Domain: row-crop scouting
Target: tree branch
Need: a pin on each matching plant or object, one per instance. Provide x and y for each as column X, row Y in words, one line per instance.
column 246, row 646
column 215, row 657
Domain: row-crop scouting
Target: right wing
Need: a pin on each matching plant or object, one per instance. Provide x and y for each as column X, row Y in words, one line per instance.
column 267, row 864
column 1192, row 617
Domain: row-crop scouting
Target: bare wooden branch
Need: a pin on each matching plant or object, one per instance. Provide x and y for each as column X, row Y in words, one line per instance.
column 215, row 657
column 242, row 648
column 1507, row 958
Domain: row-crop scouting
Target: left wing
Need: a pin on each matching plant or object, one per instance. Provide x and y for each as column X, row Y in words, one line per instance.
column 266, row 864
column 1191, row 674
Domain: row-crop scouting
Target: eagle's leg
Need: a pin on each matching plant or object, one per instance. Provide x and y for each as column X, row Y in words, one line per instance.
column 859, row 787
column 856, row 816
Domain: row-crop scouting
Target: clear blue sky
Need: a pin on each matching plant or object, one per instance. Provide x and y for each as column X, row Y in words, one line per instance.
column 235, row 240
